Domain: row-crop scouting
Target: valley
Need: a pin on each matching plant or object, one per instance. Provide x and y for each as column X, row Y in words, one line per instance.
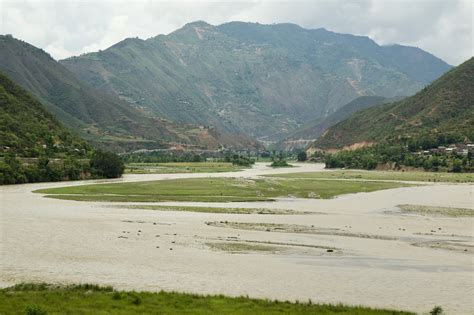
column 357, row 248
column 154, row 162
column 260, row 80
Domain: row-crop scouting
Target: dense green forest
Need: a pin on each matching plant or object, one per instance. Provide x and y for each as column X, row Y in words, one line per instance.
column 35, row 147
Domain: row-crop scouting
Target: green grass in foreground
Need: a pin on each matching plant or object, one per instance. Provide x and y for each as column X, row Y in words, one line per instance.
column 90, row 299
column 437, row 211
column 180, row 167
column 215, row 189
column 384, row 175
column 216, row 209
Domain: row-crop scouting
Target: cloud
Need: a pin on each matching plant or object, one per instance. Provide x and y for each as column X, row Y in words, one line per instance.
column 66, row 28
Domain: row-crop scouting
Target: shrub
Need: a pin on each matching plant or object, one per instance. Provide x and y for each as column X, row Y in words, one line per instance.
column 302, row 156
column 280, row 163
column 35, row 310
column 241, row 160
column 106, row 164
column 136, row 300
column 116, row 296
column 437, row 310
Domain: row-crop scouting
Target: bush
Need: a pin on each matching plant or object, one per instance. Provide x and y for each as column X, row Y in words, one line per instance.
column 116, row 296
column 280, row 163
column 302, row 156
column 35, row 310
column 136, row 299
column 106, row 164
column 437, row 310
column 240, row 160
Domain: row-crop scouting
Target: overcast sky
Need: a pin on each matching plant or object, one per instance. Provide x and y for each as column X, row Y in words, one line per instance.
column 66, row 28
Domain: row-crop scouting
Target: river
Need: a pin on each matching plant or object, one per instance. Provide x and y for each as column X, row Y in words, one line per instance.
column 381, row 257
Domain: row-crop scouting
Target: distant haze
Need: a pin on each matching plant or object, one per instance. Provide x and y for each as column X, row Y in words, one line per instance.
column 66, row 28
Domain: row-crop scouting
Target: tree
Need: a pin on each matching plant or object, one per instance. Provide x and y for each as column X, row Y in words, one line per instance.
column 302, row 156
column 72, row 168
column 106, row 164
column 457, row 166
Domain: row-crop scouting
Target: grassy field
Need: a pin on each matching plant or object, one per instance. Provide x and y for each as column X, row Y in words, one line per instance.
column 215, row 190
column 437, row 211
column 216, row 209
column 180, row 167
column 42, row 299
column 384, row 175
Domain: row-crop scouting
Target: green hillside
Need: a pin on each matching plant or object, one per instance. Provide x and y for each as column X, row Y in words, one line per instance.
column 263, row 80
column 315, row 128
column 307, row 133
column 445, row 107
column 28, row 130
column 100, row 118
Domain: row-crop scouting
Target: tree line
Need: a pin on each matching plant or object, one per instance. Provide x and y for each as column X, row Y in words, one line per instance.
column 101, row 164
column 398, row 156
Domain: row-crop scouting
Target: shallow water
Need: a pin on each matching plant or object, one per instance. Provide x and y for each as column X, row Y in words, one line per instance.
column 67, row 241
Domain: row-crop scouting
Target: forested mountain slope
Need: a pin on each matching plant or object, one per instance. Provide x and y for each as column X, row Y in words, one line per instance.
column 28, row 130
column 263, row 80
column 444, row 107
column 101, row 118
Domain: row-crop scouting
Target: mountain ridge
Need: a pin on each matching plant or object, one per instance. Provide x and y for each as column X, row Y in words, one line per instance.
column 444, row 107
column 100, row 118
column 261, row 80
column 308, row 133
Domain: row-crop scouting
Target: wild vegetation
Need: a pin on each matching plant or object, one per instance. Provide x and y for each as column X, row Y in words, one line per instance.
column 42, row 299
column 215, row 190
column 408, row 133
column 181, row 167
column 237, row 247
column 437, row 211
column 43, row 169
column 399, row 156
column 108, row 121
column 241, row 160
column 156, row 156
column 28, row 130
column 315, row 128
column 280, row 163
column 383, row 175
column 442, row 113
column 35, row 147
column 218, row 75
column 235, row 159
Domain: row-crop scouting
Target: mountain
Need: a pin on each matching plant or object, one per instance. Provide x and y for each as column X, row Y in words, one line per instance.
column 445, row 106
column 307, row 133
column 101, row 118
column 28, row 130
column 262, row 80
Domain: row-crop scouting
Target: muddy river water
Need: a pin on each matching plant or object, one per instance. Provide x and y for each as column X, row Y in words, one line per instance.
column 380, row 257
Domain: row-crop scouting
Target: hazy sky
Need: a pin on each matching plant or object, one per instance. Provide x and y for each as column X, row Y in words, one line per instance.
column 66, row 28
